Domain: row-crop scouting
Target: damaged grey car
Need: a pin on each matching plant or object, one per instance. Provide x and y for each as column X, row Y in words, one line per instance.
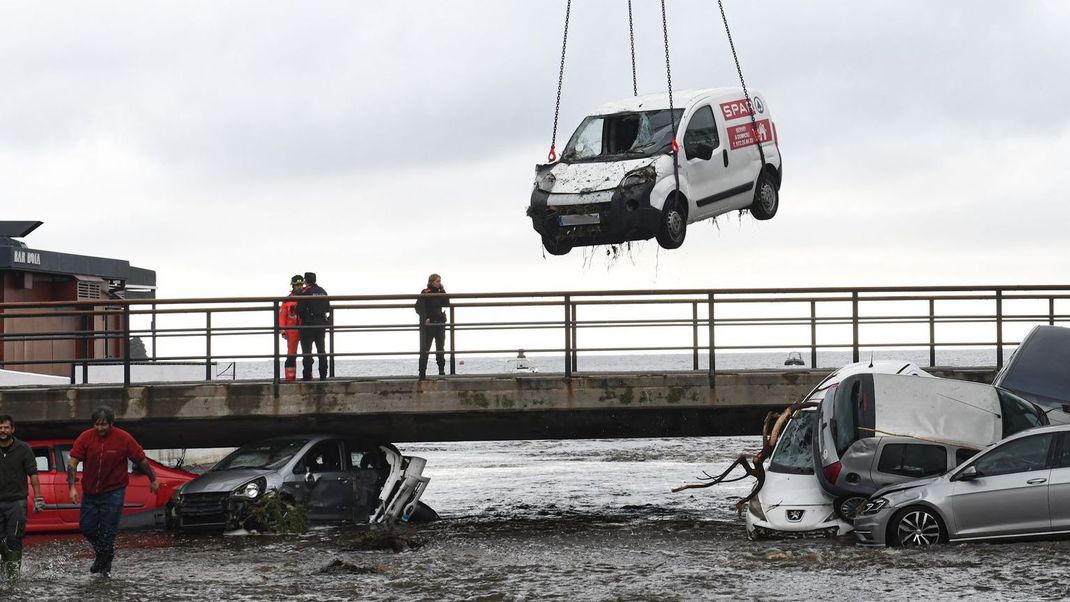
column 337, row 480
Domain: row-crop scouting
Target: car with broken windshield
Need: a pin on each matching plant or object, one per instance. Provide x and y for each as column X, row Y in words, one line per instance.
column 617, row 181
column 1018, row 489
column 336, row 479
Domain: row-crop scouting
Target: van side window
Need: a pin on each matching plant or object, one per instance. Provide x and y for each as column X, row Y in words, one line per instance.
column 701, row 138
column 913, row 460
column 323, row 457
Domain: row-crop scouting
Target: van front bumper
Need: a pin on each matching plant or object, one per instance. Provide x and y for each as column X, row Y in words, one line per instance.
column 626, row 216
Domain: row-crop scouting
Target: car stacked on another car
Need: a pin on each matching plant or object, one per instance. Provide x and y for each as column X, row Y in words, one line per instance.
column 337, row 479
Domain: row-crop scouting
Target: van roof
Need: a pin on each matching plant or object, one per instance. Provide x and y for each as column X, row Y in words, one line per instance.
column 681, row 99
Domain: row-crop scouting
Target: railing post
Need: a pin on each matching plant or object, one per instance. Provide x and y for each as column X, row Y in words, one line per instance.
column 568, row 336
column 208, row 345
column 85, row 347
column 126, row 344
column 277, row 333
column 854, row 326
column 694, row 336
column 153, row 326
column 932, row 333
column 713, row 346
column 575, row 344
column 813, row 334
column 453, row 345
column 999, row 329
column 1051, row 311
column 330, row 347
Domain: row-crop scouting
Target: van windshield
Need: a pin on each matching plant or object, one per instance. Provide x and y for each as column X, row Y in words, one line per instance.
column 631, row 135
column 795, row 454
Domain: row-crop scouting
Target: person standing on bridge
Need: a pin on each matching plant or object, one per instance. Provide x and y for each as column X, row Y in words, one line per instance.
column 315, row 316
column 105, row 450
column 288, row 319
column 17, row 465
column 431, row 308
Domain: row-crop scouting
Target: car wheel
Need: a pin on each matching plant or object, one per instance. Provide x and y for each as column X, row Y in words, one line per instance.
column 917, row 526
column 847, row 507
column 766, row 198
column 673, row 226
column 556, row 247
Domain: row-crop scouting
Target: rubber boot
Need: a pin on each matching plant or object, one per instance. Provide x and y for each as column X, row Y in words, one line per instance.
column 291, row 374
column 12, row 564
column 98, row 562
column 105, row 567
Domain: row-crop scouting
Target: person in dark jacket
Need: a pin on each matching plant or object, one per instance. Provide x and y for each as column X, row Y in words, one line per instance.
column 431, row 307
column 17, row 464
column 315, row 315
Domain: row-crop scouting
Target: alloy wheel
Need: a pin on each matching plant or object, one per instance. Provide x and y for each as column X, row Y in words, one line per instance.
column 918, row 528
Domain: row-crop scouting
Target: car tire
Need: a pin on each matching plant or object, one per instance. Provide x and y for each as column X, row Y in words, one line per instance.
column 766, row 198
column 847, row 507
column 556, row 247
column 672, row 228
column 916, row 526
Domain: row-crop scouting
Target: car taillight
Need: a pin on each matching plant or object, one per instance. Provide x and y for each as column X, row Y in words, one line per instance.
column 832, row 472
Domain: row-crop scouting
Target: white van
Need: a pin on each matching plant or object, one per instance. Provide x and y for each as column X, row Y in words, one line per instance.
column 615, row 180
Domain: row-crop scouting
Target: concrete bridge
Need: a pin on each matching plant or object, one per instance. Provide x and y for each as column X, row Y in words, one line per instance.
column 215, row 414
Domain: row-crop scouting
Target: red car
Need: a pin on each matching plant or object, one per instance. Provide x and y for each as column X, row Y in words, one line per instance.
column 142, row 507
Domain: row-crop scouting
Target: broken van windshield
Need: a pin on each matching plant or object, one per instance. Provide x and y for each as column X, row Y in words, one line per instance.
column 623, row 135
column 268, row 455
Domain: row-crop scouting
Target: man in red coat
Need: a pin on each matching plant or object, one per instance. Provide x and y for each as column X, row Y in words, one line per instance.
column 105, row 449
column 288, row 318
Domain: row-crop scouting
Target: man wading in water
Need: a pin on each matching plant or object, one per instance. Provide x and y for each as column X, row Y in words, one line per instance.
column 16, row 464
column 105, row 450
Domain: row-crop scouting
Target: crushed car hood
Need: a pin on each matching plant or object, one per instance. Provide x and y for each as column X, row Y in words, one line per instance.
column 580, row 178
column 222, row 481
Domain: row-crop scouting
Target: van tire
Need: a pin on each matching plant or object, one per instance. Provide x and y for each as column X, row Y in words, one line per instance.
column 766, row 198
column 672, row 228
column 556, row 247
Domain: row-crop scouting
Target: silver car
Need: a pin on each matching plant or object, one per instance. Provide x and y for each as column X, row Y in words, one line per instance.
column 1018, row 488
column 336, row 479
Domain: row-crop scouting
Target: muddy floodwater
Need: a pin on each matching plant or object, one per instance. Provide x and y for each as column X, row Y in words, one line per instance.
column 548, row 520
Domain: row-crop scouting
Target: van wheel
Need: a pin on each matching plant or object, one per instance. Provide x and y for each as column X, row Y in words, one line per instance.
column 916, row 526
column 673, row 226
column 766, row 199
column 556, row 247
column 847, row 507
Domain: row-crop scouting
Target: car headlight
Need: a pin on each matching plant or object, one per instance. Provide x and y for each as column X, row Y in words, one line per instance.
column 755, row 508
column 545, row 181
column 874, row 506
column 251, row 490
column 638, row 177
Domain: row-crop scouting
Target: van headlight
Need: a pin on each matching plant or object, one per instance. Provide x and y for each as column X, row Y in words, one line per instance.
column 639, row 177
column 545, row 181
column 251, row 490
column 755, row 508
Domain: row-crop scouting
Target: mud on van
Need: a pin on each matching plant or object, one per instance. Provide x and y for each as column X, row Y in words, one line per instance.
column 615, row 180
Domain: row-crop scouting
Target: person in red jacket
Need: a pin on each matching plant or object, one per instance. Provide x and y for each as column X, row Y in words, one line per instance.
column 105, row 450
column 288, row 318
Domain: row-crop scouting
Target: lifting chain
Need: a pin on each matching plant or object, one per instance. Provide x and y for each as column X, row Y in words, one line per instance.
column 672, row 113
column 743, row 84
column 631, row 40
column 552, row 156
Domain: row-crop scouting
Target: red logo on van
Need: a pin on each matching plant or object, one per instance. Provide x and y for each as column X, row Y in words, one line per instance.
column 735, row 109
column 744, row 134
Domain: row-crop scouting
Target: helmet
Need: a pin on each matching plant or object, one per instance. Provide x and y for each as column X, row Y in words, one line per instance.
column 297, row 280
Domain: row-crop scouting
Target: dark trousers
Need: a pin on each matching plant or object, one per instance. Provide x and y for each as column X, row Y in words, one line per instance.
column 309, row 337
column 13, row 523
column 436, row 333
column 100, row 519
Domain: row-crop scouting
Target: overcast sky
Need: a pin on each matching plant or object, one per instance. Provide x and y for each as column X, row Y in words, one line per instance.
column 228, row 145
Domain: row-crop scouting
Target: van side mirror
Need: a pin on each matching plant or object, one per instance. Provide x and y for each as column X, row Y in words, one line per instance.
column 310, row 479
column 968, row 474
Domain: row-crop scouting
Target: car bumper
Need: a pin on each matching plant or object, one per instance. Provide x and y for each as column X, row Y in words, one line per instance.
column 626, row 216
column 872, row 529
column 775, row 526
column 207, row 511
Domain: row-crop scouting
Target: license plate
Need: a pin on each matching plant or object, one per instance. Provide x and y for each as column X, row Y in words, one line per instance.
column 579, row 219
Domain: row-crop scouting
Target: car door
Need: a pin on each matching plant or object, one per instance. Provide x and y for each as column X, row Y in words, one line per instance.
column 331, row 491
column 138, row 497
column 1059, row 486
column 1010, row 495
column 705, row 166
column 47, row 476
column 69, row 513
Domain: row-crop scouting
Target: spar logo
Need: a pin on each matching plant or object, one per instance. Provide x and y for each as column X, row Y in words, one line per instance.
column 737, row 109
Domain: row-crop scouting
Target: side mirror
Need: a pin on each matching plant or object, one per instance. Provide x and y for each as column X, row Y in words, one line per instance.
column 968, row 474
column 310, row 479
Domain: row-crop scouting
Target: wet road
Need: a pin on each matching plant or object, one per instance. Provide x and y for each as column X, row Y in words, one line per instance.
column 571, row 520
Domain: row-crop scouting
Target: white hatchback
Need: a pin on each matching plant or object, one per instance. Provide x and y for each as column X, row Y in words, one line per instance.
column 616, row 180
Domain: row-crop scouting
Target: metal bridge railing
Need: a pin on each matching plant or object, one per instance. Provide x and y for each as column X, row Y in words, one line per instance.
column 67, row 338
